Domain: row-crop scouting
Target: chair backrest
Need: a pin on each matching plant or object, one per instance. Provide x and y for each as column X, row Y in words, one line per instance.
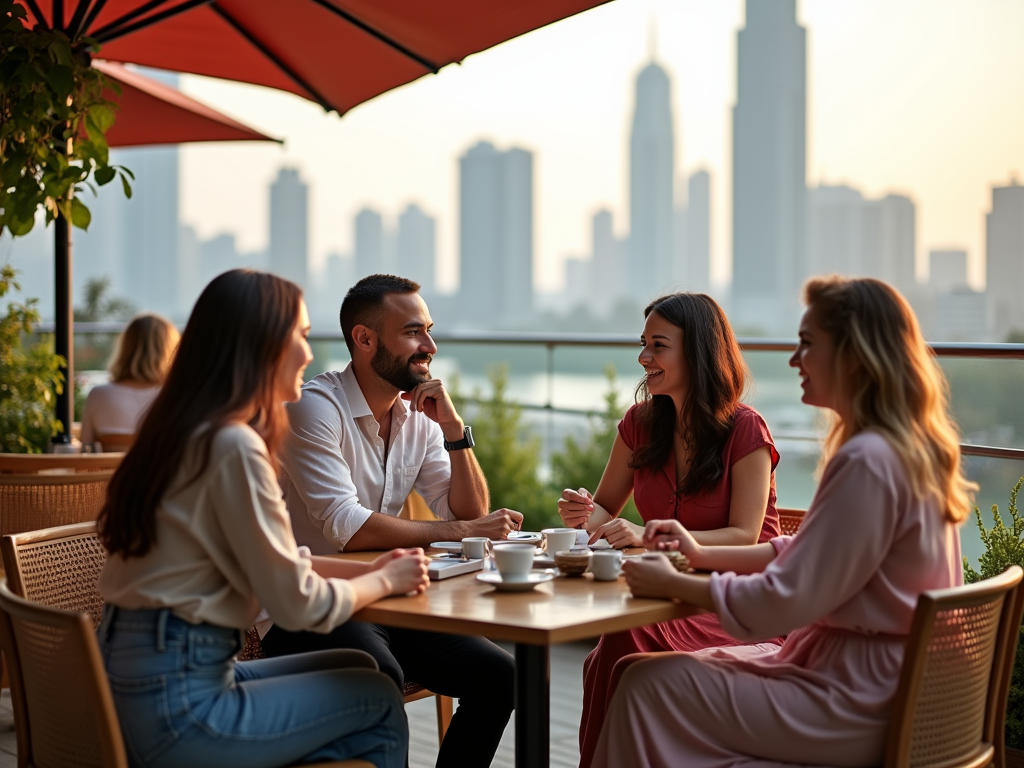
column 115, row 442
column 63, row 711
column 30, row 502
column 57, row 567
column 950, row 703
column 790, row 519
column 31, row 463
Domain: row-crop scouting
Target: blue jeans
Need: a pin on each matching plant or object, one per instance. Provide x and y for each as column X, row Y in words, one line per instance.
column 182, row 699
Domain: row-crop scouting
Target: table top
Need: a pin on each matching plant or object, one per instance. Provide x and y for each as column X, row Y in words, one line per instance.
column 559, row 611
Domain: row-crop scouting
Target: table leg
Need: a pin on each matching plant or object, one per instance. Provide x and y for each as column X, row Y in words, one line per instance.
column 533, row 706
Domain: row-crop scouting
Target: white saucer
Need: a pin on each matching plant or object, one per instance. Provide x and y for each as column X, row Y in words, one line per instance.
column 601, row 544
column 532, row 580
column 451, row 547
column 521, row 537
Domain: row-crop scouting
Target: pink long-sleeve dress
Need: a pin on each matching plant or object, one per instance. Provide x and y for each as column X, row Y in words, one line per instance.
column 844, row 588
column 654, row 491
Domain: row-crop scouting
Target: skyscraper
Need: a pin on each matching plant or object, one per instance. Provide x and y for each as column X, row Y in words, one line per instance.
column 495, row 235
column 769, row 166
column 608, row 269
column 651, row 179
column 369, row 243
column 698, row 232
column 835, row 231
column 416, row 247
column 289, row 227
column 890, row 242
column 1004, row 258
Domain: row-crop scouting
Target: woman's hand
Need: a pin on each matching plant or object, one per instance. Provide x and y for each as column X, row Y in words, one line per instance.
column 576, row 507
column 620, row 534
column 379, row 562
column 405, row 571
column 670, row 534
column 650, row 576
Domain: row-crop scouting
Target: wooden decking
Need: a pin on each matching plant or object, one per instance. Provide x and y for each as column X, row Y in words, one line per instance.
column 566, row 705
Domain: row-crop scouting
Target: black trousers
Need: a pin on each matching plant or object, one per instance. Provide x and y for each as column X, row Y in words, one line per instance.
column 475, row 671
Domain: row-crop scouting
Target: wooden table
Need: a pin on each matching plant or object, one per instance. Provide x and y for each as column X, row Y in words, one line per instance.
column 560, row 611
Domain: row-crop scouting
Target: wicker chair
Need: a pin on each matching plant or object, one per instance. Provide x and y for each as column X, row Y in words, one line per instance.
column 29, row 502
column 115, row 443
column 63, row 711
column 950, row 705
column 790, row 519
column 58, row 463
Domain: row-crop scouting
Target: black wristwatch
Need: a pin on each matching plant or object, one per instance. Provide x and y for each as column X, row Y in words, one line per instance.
column 465, row 442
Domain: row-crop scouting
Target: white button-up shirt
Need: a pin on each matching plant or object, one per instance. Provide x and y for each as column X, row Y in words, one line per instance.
column 334, row 471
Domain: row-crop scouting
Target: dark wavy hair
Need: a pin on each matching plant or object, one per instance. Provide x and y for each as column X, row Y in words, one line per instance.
column 225, row 369
column 364, row 303
column 717, row 376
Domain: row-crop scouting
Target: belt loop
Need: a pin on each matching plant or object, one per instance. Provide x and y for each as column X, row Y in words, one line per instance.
column 106, row 622
column 161, row 629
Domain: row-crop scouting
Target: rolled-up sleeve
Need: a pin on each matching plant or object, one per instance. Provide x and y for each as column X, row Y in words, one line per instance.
column 845, row 535
column 258, row 533
column 318, row 471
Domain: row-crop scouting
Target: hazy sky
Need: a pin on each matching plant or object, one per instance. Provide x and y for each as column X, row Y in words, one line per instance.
column 921, row 97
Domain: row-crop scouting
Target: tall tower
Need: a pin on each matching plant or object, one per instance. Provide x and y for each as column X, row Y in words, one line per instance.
column 698, row 232
column 289, row 227
column 1004, row 258
column 651, row 180
column 369, row 243
column 495, row 235
column 416, row 247
column 890, row 242
column 769, row 166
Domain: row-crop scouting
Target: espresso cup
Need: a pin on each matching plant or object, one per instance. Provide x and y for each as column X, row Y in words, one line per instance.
column 514, row 561
column 605, row 565
column 476, row 547
column 559, row 539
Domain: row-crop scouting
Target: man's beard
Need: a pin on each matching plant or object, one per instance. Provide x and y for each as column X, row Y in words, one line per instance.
column 396, row 371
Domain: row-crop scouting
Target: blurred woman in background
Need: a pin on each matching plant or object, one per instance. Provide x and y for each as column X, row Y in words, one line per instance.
column 142, row 357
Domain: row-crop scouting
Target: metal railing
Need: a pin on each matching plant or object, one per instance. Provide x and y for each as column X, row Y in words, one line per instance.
column 551, row 341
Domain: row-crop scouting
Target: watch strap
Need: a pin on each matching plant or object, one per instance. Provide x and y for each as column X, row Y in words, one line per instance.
column 465, row 442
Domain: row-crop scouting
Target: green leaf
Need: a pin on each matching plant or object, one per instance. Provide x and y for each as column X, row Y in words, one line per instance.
column 103, row 116
column 80, row 215
column 125, row 185
column 104, row 175
column 62, row 79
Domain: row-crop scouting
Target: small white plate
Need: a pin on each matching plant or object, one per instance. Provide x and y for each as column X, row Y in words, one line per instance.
column 532, row 580
column 601, row 544
column 522, row 537
column 451, row 547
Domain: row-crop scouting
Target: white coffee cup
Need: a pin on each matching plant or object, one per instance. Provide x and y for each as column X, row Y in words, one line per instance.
column 605, row 565
column 514, row 561
column 476, row 547
column 558, row 539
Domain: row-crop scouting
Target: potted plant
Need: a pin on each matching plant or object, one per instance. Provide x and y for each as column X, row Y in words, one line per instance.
column 30, row 377
column 1004, row 546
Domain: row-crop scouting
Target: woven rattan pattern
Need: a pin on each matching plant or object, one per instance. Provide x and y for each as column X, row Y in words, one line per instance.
column 63, row 731
column 63, row 573
column 789, row 521
column 31, row 502
column 951, row 705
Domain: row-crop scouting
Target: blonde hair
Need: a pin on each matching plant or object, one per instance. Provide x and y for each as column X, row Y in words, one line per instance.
column 145, row 350
column 887, row 373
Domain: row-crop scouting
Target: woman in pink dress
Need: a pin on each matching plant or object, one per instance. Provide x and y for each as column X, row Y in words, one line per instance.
column 880, row 530
column 688, row 451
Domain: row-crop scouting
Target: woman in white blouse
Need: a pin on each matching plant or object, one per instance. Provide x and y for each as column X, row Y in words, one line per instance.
column 199, row 538
column 141, row 359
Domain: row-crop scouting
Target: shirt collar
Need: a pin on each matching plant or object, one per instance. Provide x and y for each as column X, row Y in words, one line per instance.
column 357, row 403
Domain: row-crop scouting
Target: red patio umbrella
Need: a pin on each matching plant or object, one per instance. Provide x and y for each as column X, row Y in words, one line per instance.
column 338, row 53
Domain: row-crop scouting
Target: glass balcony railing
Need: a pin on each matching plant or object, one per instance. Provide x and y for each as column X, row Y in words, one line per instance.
column 561, row 380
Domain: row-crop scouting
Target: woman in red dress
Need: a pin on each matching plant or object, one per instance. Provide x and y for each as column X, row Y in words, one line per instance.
column 689, row 450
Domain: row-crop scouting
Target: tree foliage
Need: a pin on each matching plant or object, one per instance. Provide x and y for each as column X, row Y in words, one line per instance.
column 53, row 124
column 29, row 377
column 1004, row 546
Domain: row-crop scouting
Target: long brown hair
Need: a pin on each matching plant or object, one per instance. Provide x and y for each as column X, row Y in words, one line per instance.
column 225, row 370
column 717, row 377
column 894, row 386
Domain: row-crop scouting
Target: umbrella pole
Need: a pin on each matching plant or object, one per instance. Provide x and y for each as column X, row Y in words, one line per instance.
column 63, row 318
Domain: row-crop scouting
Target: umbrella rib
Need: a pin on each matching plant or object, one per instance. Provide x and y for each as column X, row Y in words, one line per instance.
column 76, row 20
column 92, row 15
column 355, row 21
column 262, row 48
column 120, row 27
column 37, row 12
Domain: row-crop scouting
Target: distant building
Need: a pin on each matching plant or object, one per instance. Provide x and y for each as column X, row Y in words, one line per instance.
column 495, row 236
column 1004, row 259
column 890, row 242
column 947, row 270
column 608, row 265
column 769, row 167
column 651, row 179
column 369, row 243
column 960, row 314
column 289, row 227
column 835, row 231
column 416, row 248
column 698, row 233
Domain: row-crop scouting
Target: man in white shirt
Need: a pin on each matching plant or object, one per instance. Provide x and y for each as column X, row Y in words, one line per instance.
column 361, row 441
